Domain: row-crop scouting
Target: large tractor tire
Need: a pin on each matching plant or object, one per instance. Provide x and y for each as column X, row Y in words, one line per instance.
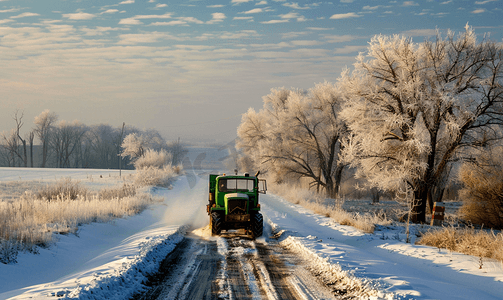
column 216, row 223
column 257, row 225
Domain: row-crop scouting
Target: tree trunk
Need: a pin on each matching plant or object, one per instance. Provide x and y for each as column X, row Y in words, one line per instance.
column 418, row 210
column 44, row 153
column 329, row 186
column 337, row 179
column 25, row 154
column 32, row 137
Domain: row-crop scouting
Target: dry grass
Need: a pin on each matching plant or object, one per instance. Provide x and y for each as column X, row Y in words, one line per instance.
column 12, row 190
column 60, row 208
column 122, row 191
column 315, row 202
column 62, row 189
column 469, row 241
column 482, row 195
column 31, row 220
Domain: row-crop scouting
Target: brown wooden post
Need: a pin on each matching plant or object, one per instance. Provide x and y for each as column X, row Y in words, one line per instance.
column 437, row 216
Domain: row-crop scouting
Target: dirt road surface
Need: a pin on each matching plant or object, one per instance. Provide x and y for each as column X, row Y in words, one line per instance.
column 232, row 266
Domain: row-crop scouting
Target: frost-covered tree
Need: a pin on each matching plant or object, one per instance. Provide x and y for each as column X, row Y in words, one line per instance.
column 149, row 146
column 413, row 108
column 134, row 145
column 43, row 124
column 298, row 134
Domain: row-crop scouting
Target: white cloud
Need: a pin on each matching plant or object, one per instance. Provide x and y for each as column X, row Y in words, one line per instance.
column 330, row 38
column 26, row 14
column 239, row 35
column 237, row 2
column 261, row 3
column 350, row 49
column 294, row 35
column 136, row 19
column 292, row 15
column 130, row 21
column 478, row 11
column 10, row 10
column 159, row 5
column 274, row 21
column 254, row 11
column 410, row 3
column 295, row 6
column 484, row 2
column 141, row 38
column 368, row 7
column 243, row 18
column 127, row 2
column 6, row 21
column 319, row 28
column 215, row 6
column 446, row 2
column 179, row 21
column 344, row 16
column 170, row 23
column 98, row 30
column 272, row 46
column 110, row 11
column 306, row 43
column 164, row 16
column 190, row 20
column 347, row 1
column 217, row 17
column 79, row 16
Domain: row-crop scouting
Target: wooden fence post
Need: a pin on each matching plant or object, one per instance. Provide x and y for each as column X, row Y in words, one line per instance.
column 437, row 214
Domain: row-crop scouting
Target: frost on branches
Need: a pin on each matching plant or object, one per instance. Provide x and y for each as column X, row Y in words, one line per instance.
column 154, row 167
column 413, row 109
column 297, row 134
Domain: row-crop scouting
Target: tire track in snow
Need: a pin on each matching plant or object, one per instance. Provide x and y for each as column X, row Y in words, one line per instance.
column 258, row 270
column 232, row 267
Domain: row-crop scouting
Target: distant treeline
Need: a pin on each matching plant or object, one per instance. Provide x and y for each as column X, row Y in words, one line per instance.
column 62, row 144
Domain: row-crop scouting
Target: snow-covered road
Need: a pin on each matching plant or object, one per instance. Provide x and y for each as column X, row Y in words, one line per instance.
column 110, row 261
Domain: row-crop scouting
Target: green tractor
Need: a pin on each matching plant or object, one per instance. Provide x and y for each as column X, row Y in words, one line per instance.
column 233, row 203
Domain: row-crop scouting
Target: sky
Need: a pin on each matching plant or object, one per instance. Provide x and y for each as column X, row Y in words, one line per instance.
column 190, row 68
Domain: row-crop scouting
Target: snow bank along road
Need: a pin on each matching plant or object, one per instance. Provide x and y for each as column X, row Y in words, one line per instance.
column 120, row 260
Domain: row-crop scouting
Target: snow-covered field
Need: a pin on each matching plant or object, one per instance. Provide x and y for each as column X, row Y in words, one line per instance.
column 109, row 260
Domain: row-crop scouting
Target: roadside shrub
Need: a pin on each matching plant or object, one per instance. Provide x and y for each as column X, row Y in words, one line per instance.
column 153, row 168
column 62, row 189
column 153, row 159
column 152, row 176
column 119, row 192
column 482, row 194
column 469, row 241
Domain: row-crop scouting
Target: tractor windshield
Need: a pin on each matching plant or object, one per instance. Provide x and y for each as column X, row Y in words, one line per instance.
column 236, row 185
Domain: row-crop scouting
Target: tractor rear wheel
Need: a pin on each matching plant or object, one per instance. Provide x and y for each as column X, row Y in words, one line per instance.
column 257, row 225
column 216, row 223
